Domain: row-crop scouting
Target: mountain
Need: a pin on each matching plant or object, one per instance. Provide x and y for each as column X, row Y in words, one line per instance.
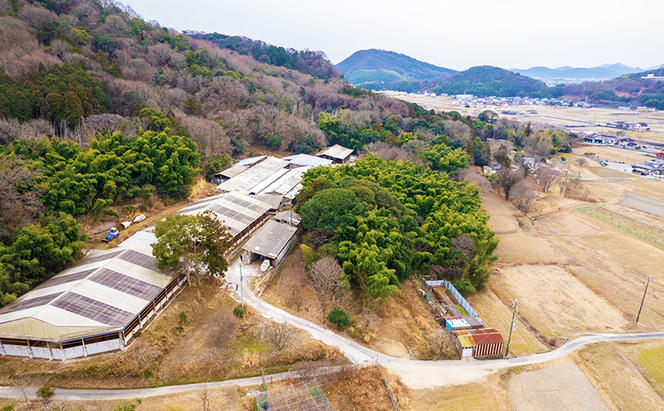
column 569, row 74
column 378, row 69
column 489, row 81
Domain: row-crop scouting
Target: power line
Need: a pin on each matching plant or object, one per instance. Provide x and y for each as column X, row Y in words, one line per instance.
column 643, row 299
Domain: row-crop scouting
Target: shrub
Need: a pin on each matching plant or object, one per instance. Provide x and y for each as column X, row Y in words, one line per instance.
column 239, row 311
column 45, row 392
column 464, row 286
column 339, row 317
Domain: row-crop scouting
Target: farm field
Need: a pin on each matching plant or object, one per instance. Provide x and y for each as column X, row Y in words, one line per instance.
column 575, row 118
column 555, row 388
column 577, row 266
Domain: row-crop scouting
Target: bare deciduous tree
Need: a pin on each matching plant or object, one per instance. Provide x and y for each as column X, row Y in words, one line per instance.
column 464, row 245
column 277, row 334
column 442, row 343
column 506, row 178
column 545, row 176
column 522, row 195
column 325, row 277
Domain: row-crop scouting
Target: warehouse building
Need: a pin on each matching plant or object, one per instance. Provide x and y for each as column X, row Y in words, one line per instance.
column 479, row 343
column 98, row 305
column 271, row 242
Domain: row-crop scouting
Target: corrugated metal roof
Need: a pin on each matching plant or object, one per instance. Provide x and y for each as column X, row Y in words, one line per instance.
column 471, row 338
column 250, row 161
column 337, row 152
column 286, row 182
column 234, row 170
column 303, row 160
column 103, row 292
column 270, row 239
column 288, row 216
column 235, row 210
column 247, row 180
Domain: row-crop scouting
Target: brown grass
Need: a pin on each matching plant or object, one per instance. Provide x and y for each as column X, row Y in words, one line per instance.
column 402, row 326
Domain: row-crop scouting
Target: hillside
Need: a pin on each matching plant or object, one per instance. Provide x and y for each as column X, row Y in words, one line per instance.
column 575, row 74
column 309, row 62
column 630, row 90
column 380, row 69
column 489, row 81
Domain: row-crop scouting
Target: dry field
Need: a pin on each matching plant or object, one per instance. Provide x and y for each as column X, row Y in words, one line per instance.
column 555, row 388
column 582, row 119
column 577, row 266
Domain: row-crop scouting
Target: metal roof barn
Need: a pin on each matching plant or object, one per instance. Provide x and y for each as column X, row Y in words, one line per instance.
column 286, row 182
column 273, row 241
column 484, row 342
column 337, row 153
column 306, row 160
column 237, row 211
column 288, row 217
column 95, row 306
column 255, row 175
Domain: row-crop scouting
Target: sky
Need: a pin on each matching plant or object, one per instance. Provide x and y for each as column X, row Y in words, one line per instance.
column 456, row 34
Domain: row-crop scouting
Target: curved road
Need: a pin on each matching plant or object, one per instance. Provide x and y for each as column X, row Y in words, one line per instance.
column 416, row 374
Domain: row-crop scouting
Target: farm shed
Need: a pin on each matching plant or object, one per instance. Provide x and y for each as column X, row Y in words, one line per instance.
column 463, row 323
column 288, row 217
column 243, row 214
column 272, row 241
column 306, row 160
column 479, row 343
column 96, row 306
column 338, row 154
column 268, row 169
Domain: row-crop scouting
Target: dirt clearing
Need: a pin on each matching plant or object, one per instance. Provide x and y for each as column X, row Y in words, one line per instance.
column 556, row 388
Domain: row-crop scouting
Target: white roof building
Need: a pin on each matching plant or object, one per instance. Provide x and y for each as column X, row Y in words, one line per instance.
column 95, row 306
column 336, row 153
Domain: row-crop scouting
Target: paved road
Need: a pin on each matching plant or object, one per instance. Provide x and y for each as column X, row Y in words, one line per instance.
column 416, row 374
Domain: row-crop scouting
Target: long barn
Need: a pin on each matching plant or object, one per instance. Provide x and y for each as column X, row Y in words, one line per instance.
column 96, row 306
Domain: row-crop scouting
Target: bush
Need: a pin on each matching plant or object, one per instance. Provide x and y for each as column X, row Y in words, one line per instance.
column 239, row 311
column 339, row 317
column 464, row 286
column 45, row 392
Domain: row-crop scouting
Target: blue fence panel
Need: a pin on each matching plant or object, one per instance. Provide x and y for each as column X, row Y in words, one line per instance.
column 457, row 295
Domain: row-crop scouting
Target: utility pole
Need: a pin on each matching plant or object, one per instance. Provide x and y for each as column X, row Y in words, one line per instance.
column 643, row 299
column 241, row 280
column 509, row 339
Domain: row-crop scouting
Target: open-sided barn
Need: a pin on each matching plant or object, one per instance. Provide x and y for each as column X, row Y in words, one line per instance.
column 96, row 306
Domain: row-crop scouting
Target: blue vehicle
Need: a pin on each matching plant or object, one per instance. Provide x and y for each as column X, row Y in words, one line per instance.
column 112, row 235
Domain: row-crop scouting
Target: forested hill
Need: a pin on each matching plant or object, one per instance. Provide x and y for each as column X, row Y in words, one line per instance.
column 381, row 69
column 309, row 62
column 490, row 81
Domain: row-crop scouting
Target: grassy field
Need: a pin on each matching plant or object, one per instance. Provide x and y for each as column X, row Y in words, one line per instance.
column 583, row 119
column 652, row 361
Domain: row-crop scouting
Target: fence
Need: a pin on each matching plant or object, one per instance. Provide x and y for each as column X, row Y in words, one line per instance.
column 455, row 293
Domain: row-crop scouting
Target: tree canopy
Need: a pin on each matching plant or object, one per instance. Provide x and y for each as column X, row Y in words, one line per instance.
column 389, row 219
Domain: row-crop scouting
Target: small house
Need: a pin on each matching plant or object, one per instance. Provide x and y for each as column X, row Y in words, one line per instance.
column 338, row 154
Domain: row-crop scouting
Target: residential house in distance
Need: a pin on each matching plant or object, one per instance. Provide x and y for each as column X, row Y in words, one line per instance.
column 599, row 139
